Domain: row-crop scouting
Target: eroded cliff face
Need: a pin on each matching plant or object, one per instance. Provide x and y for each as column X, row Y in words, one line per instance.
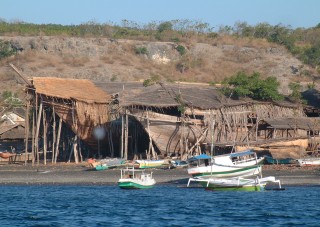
column 103, row 59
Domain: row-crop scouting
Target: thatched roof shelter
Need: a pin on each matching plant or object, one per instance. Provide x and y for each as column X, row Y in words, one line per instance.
column 79, row 105
column 208, row 114
column 77, row 89
column 75, row 99
column 12, row 132
column 308, row 124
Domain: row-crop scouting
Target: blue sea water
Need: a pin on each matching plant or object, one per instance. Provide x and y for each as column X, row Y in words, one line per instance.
column 164, row 205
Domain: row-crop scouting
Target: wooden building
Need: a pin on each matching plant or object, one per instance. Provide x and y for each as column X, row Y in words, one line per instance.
column 64, row 114
column 183, row 120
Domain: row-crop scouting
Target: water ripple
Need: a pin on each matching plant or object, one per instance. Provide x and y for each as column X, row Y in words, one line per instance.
column 160, row 206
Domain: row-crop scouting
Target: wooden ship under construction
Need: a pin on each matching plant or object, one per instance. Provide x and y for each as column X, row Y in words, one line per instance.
column 72, row 120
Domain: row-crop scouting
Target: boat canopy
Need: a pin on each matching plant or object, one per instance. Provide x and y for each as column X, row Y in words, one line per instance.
column 199, row 157
column 239, row 154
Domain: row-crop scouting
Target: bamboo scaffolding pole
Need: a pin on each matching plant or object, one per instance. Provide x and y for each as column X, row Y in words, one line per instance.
column 122, row 136
column 53, row 136
column 126, row 136
column 58, row 141
column 75, row 149
column 44, row 122
column 27, row 132
column 33, row 133
column 37, row 133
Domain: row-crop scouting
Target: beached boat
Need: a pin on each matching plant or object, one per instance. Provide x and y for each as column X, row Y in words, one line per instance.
column 236, row 183
column 132, row 178
column 312, row 161
column 108, row 163
column 145, row 164
column 284, row 161
column 245, row 163
column 6, row 155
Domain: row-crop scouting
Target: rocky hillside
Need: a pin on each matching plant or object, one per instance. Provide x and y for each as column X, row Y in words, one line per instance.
column 103, row 59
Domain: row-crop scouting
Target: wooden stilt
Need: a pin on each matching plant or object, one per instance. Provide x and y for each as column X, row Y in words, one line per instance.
column 126, row 138
column 27, row 132
column 33, row 139
column 53, row 136
column 80, row 150
column 122, row 136
column 58, row 141
column 37, row 133
column 44, row 122
column 75, row 149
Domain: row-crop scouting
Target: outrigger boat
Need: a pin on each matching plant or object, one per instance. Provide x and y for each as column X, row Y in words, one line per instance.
column 245, row 163
column 235, row 183
column 135, row 179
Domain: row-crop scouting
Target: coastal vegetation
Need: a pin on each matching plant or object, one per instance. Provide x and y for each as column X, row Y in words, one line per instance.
column 301, row 42
column 252, row 86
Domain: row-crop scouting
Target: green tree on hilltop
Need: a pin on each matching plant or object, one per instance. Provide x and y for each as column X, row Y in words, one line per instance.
column 242, row 85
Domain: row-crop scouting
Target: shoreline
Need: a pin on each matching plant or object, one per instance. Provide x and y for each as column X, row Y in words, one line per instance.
column 82, row 174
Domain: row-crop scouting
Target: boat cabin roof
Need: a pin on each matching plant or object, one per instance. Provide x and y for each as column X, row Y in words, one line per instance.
column 240, row 154
column 199, row 157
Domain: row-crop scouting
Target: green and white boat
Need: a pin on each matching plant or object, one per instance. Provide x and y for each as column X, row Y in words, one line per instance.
column 237, row 164
column 236, row 183
column 135, row 179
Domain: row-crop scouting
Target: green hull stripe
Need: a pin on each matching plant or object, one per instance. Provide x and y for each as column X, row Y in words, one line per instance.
column 131, row 185
column 248, row 188
column 224, row 172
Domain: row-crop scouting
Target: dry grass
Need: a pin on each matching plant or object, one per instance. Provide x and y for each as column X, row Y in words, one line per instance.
column 107, row 59
column 74, row 61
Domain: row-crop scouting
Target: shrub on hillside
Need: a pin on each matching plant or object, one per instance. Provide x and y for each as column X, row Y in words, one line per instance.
column 242, row 85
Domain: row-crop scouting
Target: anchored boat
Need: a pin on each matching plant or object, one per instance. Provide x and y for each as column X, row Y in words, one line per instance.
column 132, row 178
column 236, row 183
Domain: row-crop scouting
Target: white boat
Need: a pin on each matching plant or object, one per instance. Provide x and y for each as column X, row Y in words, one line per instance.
column 314, row 161
column 135, row 179
column 236, row 183
column 245, row 163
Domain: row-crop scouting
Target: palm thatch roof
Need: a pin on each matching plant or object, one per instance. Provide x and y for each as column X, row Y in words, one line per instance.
column 83, row 90
column 161, row 95
column 304, row 123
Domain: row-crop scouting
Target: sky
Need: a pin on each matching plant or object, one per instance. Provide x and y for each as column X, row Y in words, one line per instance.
column 294, row 13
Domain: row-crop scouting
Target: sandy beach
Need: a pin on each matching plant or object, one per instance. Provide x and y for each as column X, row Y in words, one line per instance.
column 82, row 174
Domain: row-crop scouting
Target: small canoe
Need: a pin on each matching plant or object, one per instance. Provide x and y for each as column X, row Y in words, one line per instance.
column 145, row 164
column 270, row 160
column 309, row 161
column 6, row 155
